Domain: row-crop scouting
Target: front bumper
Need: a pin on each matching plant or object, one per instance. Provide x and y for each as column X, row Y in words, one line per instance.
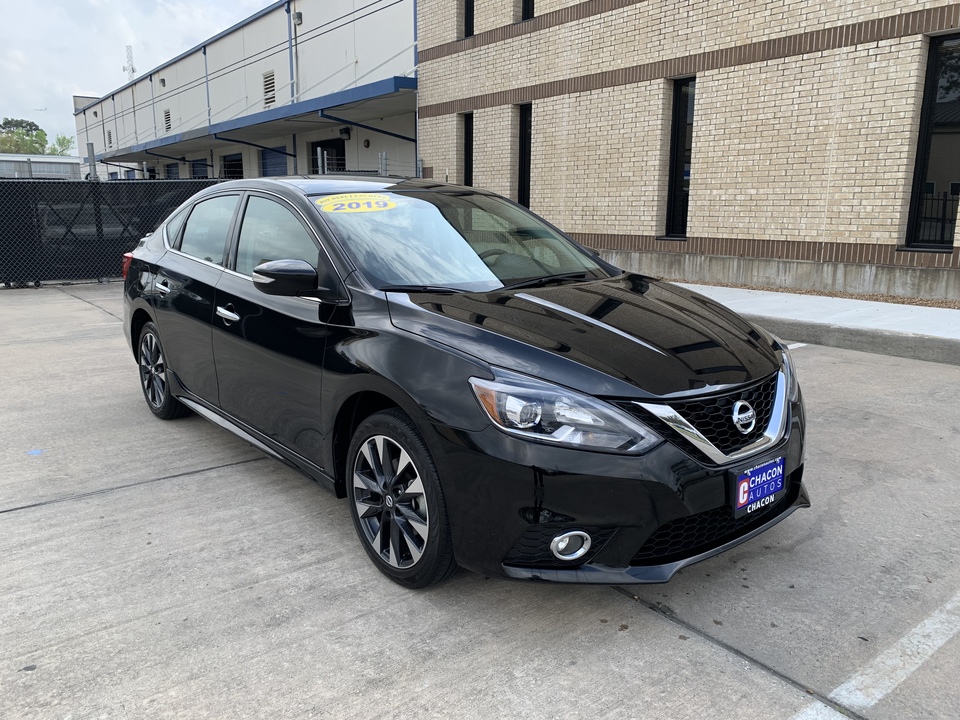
column 597, row 574
column 649, row 516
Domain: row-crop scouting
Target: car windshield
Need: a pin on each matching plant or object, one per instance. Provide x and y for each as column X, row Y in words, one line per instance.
column 463, row 241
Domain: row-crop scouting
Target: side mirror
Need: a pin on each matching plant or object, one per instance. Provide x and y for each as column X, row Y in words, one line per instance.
column 288, row 278
column 292, row 278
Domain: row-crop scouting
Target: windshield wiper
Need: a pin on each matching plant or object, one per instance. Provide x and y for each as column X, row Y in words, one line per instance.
column 545, row 280
column 438, row 289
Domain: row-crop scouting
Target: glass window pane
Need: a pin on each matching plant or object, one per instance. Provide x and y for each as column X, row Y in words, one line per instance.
column 681, row 156
column 272, row 232
column 466, row 241
column 172, row 228
column 934, row 209
column 205, row 235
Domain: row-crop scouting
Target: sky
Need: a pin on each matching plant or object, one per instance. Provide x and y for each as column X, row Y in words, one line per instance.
column 53, row 50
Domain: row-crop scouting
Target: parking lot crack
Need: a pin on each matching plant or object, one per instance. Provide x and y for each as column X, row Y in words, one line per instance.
column 91, row 304
column 671, row 616
column 102, row 491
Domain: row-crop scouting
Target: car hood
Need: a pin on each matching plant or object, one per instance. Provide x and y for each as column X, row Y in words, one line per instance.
column 628, row 336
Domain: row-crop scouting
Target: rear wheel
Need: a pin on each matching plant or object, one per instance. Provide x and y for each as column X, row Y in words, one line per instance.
column 396, row 501
column 153, row 376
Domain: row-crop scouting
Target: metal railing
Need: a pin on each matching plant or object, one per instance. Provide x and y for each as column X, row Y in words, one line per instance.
column 329, row 164
column 63, row 230
column 936, row 220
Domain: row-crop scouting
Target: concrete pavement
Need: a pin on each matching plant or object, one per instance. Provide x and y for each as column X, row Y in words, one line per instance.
column 911, row 331
column 167, row 570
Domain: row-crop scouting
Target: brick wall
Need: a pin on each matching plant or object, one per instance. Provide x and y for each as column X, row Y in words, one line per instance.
column 806, row 116
column 490, row 14
column 443, row 136
column 819, row 147
column 496, row 134
column 594, row 166
column 438, row 21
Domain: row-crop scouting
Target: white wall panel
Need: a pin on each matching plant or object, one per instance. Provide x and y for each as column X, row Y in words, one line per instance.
column 381, row 37
column 333, row 52
column 225, row 59
column 146, row 122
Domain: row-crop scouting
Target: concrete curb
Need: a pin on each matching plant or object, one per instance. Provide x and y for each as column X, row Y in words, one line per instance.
column 881, row 342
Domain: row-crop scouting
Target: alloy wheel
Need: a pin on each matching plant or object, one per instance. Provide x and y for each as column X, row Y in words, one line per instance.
column 390, row 502
column 152, row 370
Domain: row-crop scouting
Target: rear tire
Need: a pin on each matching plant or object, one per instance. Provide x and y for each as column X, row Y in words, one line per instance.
column 396, row 501
column 154, row 375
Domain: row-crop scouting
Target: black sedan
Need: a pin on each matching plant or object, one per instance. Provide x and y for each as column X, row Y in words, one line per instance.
column 483, row 390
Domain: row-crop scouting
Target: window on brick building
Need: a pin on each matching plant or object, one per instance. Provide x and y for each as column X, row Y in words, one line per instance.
column 681, row 154
column 467, row 149
column 467, row 18
column 525, row 143
column 526, row 10
column 933, row 209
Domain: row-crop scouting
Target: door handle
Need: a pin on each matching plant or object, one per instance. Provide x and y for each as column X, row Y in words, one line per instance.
column 162, row 287
column 228, row 314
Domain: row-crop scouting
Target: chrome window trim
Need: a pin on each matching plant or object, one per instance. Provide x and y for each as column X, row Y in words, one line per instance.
column 284, row 202
column 218, row 266
column 188, row 205
column 240, row 192
column 771, row 436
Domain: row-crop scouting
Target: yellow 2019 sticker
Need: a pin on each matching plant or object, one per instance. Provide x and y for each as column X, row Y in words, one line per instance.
column 355, row 202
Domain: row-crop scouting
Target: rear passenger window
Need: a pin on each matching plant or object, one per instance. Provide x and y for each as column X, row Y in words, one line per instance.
column 173, row 226
column 271, row 232
column 205, row 234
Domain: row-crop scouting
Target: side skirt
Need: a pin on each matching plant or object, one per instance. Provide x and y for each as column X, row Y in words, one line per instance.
column 297, row 462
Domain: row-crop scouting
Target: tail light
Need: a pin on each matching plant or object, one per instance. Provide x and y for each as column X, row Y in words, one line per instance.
column 125, row 268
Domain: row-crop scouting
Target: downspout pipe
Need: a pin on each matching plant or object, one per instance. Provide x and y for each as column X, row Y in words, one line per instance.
column 206, row 82
column 293, row 89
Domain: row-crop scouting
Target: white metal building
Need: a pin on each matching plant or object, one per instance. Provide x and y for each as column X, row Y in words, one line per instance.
column 303, row 86
column 39, row 167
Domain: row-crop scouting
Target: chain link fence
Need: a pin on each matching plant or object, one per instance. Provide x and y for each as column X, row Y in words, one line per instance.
column 55, row 231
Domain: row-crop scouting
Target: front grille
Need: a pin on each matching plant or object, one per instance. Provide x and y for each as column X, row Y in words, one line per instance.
column 704, row 531
column 533, row 548
column 713, row 416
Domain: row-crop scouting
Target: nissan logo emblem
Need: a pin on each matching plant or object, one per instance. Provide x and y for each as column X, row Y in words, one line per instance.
column 744, row 416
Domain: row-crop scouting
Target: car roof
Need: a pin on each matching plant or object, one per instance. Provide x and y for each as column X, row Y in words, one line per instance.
column 325, row 184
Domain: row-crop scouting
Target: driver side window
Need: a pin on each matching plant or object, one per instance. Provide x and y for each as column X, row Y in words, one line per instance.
column 272, row 232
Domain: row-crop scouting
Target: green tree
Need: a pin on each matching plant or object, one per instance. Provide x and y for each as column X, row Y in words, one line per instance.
column 22, row 136
column 11, row 124
column 27, row 138
column 62, row 145
column 21, row 141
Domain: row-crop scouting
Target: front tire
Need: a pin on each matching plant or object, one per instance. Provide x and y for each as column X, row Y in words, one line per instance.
column 396, row 501
column 154, row 376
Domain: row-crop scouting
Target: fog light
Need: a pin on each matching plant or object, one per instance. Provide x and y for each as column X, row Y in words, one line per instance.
column 570, row 545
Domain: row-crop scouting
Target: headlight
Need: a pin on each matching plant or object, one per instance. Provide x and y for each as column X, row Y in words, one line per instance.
column 789, row 371
column 540, row 411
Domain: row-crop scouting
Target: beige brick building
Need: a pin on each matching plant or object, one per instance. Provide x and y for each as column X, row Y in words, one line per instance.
column 811, row 143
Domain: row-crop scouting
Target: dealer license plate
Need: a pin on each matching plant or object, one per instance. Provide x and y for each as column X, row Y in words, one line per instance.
column 758, row 488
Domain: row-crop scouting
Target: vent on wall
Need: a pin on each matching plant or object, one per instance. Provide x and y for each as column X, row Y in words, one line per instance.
column 167, row 122
column 269, row 88
column 109, row 138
